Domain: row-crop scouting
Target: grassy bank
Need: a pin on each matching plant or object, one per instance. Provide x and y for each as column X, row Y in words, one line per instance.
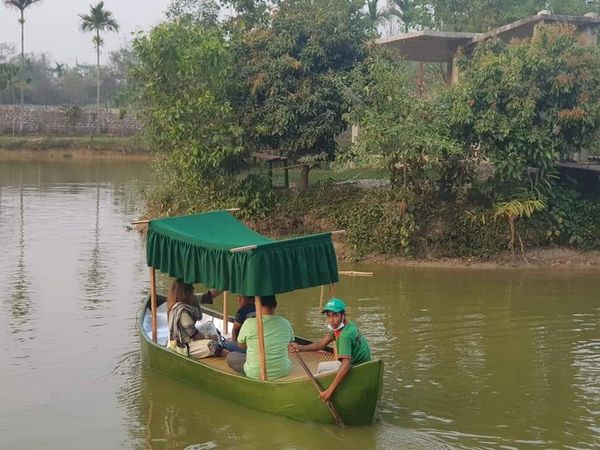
column 119, row 144
column 383, row 225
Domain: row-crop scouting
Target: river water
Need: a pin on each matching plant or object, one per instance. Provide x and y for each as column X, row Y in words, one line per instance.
column 473, row 358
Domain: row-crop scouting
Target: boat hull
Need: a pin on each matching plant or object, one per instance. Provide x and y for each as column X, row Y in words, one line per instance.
column 355, row 399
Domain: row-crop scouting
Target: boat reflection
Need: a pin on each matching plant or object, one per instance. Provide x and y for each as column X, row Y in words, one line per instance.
column 174, row 415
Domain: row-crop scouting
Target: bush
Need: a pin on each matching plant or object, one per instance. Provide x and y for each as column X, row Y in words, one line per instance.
column 569, row 219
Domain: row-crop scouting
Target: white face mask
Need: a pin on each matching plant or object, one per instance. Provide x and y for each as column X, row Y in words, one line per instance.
column 339, row 327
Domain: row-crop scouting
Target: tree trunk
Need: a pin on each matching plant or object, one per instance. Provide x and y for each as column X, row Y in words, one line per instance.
column 304, row 177
column 97, row 82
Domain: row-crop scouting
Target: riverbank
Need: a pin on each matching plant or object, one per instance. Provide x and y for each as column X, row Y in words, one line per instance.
column 73, row 147
column 558, row 258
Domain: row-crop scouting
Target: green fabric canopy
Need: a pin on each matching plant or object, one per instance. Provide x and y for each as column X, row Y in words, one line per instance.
column 197, row 248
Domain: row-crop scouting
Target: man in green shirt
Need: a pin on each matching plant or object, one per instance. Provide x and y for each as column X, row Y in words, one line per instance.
column 278, row 334
column 352, row 347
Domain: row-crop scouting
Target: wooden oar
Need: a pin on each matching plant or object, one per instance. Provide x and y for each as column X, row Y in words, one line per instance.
column 336, row 415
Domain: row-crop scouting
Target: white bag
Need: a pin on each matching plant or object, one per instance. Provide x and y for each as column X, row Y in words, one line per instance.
column 198, row 349
column 208, row 329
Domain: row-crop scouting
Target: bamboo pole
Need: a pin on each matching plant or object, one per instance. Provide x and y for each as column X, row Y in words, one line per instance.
column 243, row 249
column 322, row 295
column 144, row 221
column 331, row 295
column 261, row 339
column 338, row 232
column 153, row 302
column 328, row 403
column 355, row 274
column 225, row 318
column 335, row 350
column 295, row 166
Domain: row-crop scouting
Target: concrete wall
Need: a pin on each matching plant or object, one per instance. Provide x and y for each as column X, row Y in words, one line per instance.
column 51, row 120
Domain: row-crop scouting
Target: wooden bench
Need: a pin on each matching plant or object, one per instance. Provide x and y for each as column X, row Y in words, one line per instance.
column 270, row 160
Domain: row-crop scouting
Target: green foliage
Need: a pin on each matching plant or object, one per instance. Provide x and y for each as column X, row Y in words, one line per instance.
column 72, row 114
column 480, row 15
column 199, row 11
column 123, row 145
column 252, row 193
column 380, row 224
column 185, row 82
column 294, row 67
column 512, row 211
column 184, row 86
column 397, row 130
column 8, row 73
column 98, row 20
column 376, row 220
column 518, row 208
column 524, row 104
column 53, row 83
column 570, row 219
column 21, row 5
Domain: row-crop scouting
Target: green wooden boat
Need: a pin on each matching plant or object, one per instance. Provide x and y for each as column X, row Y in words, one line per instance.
column 206, row 248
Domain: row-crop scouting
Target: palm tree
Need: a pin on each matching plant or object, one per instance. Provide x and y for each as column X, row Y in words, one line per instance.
column 58, row 70
column 21, row 5
column 98, row 20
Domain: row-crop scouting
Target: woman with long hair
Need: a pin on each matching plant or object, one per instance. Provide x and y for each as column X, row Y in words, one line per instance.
column 183, row 311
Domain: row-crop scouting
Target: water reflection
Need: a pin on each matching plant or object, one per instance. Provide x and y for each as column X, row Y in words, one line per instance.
column 96, row 276
column 473, row 359
column 20, row 298
column 172, row 415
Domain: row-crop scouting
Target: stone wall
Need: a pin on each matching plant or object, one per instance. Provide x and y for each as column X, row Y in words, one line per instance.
column 51, row 120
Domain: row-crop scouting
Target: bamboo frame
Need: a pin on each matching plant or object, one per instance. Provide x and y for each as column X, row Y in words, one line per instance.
column 295, row 166
column 353, row 273
column 252, row 247
column 261, row 339
column 153, row 302
column 331, row 293
column 225, row 318
column 243, row 249
column 145, row 221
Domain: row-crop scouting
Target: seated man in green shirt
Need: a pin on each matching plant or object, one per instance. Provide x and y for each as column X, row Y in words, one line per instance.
column 352, row 347
column 278, row 334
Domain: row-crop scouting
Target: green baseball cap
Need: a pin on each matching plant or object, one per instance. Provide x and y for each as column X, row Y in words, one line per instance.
column 334, row 305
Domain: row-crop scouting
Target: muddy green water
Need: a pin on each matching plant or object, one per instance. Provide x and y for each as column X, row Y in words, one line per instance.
column 474, row 358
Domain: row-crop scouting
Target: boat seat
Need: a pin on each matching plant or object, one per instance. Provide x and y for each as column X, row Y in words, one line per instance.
column 312, row 360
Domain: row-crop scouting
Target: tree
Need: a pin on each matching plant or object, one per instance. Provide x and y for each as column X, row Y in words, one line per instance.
column 524, row 104
column 398, row 131
column 199, row 11
column 58, row 70
column 483, row 15
column 184, row 79
column 295, row 69
column 21, row 5
column 98, row 20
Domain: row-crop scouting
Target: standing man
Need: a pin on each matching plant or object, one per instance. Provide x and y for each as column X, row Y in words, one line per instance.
column 352, row 347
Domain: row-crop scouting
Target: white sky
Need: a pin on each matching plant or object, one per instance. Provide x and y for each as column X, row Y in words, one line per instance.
column 52, row 27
